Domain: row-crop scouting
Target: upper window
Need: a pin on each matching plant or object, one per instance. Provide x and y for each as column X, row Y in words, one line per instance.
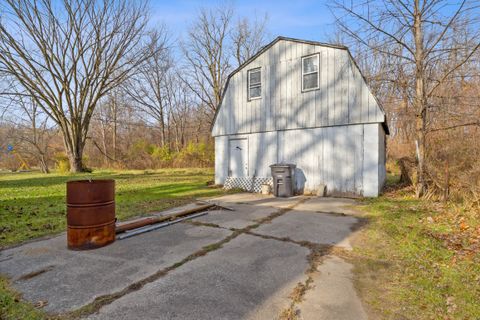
column 254, row 84
column 310, row 79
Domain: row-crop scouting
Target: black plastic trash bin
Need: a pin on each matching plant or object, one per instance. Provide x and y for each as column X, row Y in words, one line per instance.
column 283, row 179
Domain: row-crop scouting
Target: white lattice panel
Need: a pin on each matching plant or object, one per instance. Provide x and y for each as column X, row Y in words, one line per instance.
column 251, row 184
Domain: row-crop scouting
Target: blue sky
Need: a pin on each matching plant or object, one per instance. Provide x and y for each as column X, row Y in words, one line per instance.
column 306, row 19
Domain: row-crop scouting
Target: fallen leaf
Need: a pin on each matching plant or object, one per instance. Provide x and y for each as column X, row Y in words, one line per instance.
column 463, row 226
column 40, row 304
column 451, row 306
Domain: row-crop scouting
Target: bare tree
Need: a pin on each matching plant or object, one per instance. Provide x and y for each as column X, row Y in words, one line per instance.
column 207, row 55
column 148, row 89
column 31, row 133
column 248, row 37
column 180, row 102
column 114, row 112
column 103, row 121
column 214, row 44
column 66, row 55
column 419, row 33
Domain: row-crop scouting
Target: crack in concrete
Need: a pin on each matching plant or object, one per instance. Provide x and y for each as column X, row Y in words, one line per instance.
column 34, row 273
column 317, row 254
column 205, row 224
column 297, row 296
column 315, row 258
column 104, row 300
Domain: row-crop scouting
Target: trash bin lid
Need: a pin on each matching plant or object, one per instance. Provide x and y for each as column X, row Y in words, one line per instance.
column 283, row 165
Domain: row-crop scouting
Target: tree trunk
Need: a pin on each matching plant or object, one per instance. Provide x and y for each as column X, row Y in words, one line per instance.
column 162, row 126
column 76, row 164
column 420, row 148
column 104, row 144
column 74, row 153
column 42, row 163
column 114, row 130
column 419, row 101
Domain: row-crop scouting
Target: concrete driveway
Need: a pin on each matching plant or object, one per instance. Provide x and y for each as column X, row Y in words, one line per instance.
column 269, row 259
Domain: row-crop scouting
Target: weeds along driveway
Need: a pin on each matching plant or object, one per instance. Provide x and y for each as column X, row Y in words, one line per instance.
column 270, row 258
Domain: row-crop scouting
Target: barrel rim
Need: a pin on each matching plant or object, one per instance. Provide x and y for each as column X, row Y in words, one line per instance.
column 92, row 181
column 94, row 204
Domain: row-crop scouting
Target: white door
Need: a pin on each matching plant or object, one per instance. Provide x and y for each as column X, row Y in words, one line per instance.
column 238, row 158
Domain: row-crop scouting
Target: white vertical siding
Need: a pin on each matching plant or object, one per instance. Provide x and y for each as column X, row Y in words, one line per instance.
column 332, row 156
column 351, row 93
column 330, row 88
column 221, row 159
column 271, row 89
column 306, row 108
column 343, row 97
column 371, row 184
column 265, row 111
column 355, row 95
column 262, row 153
column 316, row 120
column 341, row 87
column 382, row 170
column 320, row 160
column 277, row 106
column 288, row 85
column 295, row 121
column 328, row 165
column 241, row 103
column 333, row 134
column 282, row 84
column 358, row 136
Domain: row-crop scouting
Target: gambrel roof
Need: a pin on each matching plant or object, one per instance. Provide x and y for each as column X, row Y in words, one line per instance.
column 287, row 54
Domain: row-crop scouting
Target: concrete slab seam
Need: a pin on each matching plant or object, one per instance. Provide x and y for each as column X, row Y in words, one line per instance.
column 104, row 300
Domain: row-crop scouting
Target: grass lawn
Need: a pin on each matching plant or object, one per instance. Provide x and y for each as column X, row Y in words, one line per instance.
column 13, row 308
column 418, row 259
column 33, row 204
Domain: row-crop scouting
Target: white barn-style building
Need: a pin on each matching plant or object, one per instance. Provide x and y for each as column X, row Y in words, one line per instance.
column 306, row 103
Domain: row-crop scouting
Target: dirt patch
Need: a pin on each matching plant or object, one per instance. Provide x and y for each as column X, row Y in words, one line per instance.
column 371, row 277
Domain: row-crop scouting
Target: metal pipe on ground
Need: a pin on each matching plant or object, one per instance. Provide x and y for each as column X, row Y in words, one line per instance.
column 216, row 205
column 134, row 232
column 154, row 220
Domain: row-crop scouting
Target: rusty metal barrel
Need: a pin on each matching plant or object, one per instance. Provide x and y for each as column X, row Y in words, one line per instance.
column 90, row 214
